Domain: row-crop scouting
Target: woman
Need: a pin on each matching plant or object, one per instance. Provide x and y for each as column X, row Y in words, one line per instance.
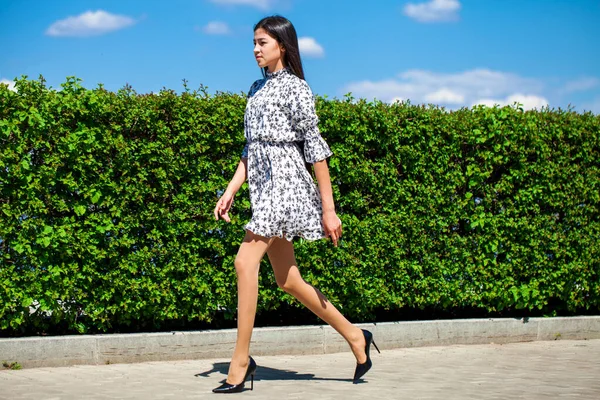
column 285, row 202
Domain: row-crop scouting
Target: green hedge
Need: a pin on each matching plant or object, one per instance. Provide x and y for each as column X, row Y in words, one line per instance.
column 106, row 204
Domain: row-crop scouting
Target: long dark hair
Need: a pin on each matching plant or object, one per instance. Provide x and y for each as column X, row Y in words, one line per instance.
column 282, row 30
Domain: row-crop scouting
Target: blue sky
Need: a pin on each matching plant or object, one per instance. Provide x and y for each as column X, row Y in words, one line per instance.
column 452, row 53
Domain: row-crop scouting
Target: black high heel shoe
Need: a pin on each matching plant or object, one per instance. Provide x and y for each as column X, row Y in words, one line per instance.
column 229, row 388
column 362, row 369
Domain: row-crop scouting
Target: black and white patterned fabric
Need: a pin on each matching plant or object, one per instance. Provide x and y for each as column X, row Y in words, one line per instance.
column 285, row 200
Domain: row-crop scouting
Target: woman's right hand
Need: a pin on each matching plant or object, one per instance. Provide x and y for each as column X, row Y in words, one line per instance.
column 223, row 206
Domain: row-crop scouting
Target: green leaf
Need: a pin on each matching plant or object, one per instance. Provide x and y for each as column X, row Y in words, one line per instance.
column 95, row 197
column 26, row 302
column 79, row 210
column 19, row 248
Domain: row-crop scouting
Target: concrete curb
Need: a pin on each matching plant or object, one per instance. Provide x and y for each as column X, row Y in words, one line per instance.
column 55, row 351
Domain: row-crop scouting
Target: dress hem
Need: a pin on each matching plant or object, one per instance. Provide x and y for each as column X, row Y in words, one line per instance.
column 289, row 236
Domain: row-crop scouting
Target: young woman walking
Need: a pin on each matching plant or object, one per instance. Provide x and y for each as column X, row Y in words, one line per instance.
column 282, row 134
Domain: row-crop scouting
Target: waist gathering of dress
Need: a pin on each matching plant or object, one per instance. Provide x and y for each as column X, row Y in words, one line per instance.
column 285, row 201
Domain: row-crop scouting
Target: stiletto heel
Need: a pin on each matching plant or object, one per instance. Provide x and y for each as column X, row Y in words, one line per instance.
column 376, row 348
column 362, row 369
column 229, row 388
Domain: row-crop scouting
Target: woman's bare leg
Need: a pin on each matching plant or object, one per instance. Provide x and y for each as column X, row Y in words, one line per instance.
column 283, row 261
column 247, row 263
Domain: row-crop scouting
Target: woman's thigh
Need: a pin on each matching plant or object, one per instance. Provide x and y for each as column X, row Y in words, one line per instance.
column 283, row 260
column 251, row 251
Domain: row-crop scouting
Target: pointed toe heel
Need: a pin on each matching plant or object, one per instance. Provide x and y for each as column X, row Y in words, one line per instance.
column 363, row 368
column 229, row 388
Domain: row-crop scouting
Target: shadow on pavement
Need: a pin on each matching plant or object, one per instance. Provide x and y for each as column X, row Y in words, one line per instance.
column 264, row 373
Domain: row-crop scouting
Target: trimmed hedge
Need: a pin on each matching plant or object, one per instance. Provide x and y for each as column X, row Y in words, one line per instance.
column 106, row 204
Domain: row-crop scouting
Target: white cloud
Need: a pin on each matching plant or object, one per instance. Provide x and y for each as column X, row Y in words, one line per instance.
column 445, row 95
column 453, row 90
column 433, row 10
column 529, row 102
column 10, row 84
column 216, row 28
column 383, row 90
column 478, row 82
column 310, row 47
column 581, row 85
column 89, row 23
column 260, row 4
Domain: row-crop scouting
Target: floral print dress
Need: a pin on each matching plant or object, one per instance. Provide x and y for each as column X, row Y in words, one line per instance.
column 285, row 200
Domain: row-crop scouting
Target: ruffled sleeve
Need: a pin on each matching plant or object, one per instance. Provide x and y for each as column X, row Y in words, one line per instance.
column 306, row 122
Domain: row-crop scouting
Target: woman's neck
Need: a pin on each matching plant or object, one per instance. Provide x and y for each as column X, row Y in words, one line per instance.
column 276, row 67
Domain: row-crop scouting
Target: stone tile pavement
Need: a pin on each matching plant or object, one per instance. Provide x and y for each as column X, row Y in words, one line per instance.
column 533, row 370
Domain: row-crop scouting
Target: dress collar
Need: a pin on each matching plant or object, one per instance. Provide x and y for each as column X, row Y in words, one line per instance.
column 281, row 72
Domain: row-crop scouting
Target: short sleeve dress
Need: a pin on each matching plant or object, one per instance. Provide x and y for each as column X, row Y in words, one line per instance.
column 280, row 112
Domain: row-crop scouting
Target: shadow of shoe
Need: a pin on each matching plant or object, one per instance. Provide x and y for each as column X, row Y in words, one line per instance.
column 264, row 373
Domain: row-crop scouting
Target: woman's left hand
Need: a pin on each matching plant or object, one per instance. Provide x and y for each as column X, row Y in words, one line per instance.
column 333, row 226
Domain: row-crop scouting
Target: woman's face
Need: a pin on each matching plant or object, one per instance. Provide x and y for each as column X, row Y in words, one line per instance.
column 268, row 51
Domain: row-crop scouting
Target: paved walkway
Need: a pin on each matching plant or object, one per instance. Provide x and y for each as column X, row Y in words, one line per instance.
column 534, row 370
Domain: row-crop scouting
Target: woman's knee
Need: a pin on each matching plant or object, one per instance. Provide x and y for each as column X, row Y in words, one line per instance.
column 244, row 267
column 290, row 283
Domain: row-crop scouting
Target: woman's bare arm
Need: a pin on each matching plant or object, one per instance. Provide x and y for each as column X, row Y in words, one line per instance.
column 331, row 222
column 225, row 202
column 239, row 177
